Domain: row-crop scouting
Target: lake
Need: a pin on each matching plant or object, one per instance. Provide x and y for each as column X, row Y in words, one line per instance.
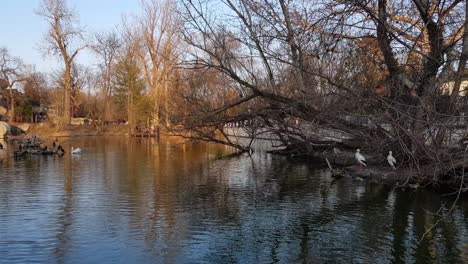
column 139, row 201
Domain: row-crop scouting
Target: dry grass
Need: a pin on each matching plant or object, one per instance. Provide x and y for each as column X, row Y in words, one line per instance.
column 52, row 131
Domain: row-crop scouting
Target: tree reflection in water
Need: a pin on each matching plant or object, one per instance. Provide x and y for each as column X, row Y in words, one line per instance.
column 146, row 201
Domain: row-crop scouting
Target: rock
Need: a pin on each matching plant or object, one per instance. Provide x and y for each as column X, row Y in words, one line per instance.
column 3, row 110
column 25, row 127
column 4, row 129
column 15, row 131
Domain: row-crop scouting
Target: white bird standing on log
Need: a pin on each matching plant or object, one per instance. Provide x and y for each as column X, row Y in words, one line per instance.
column 360, row 158
column 391, row 160
column 336, row 151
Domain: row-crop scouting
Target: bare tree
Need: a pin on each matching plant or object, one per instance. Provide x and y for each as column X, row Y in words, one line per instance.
column 156, row 43
column 372, row 72
column 107, row 46
column 11, row 73
column 61, row 40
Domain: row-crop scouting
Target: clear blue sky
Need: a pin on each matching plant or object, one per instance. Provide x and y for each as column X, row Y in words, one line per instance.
column 21, row 30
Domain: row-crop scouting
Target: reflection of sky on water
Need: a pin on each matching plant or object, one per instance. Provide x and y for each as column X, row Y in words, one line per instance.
column 136, row 201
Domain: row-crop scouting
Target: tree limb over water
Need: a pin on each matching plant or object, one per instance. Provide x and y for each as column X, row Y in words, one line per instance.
column 380, row 72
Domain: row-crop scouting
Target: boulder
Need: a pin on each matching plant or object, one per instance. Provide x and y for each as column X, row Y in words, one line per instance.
column 4, row 129
column 3, row 110
column 24, row 127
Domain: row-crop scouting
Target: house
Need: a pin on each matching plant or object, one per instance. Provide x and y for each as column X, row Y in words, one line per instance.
column 447, row 87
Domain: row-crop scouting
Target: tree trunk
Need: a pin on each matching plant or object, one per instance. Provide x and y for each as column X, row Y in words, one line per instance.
column 157, row 112
column 130, row 113
column 166, row 103
column 107, row 94
column 11, row 111
column 67, row 95
column 458, row 79
column 296, row 56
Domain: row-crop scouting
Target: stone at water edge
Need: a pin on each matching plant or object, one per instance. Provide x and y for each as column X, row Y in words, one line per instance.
column 3, row 110
column 4, row 129
column 24, row 126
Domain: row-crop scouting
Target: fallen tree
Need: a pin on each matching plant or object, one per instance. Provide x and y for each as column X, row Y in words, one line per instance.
column 378, row 75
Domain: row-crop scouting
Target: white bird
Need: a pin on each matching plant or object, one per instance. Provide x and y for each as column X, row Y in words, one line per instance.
column 336, row 151
column 76, row 151
column 391, row 160
column 360, row 159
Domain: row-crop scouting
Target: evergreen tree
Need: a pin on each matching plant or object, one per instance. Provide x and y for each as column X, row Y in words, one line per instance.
column 129, row 90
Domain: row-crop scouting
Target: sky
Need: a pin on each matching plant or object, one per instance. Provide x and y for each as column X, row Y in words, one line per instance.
column 21, row 30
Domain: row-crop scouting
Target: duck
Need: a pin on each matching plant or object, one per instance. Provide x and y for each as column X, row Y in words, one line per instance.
column 75, row 150
column 2, row 150
column 360, row 158
column 391, row 160
column 60, row 150
column 20, row 153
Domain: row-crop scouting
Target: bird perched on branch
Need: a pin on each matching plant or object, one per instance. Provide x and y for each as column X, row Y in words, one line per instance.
column 360, row 159
column 391, row 160
column 336, row 151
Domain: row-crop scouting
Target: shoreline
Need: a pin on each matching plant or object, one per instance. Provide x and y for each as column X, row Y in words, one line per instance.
column 45, row 131
column 343, row 164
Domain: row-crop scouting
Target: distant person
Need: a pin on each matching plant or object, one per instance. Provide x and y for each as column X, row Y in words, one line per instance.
column 2, row 151
column 55, row 143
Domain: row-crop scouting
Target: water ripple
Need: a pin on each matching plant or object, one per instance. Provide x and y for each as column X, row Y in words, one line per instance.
column 136, row 201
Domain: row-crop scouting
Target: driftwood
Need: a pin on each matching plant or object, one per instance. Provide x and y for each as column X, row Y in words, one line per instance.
column 343, row 164
column 379, row 173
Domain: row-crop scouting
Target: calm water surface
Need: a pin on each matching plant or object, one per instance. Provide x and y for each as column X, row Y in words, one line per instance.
column 136, row 201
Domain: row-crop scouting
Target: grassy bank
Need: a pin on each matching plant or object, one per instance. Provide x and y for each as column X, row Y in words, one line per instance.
column 44, row 130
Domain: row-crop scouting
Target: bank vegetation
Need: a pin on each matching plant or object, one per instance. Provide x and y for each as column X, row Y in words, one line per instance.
column 377, row 75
